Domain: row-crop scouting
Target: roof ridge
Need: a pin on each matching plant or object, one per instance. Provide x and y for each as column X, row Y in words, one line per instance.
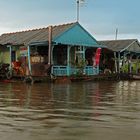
column 65, row 24
column 39, row 28
column 117, row 40
column 25, row 31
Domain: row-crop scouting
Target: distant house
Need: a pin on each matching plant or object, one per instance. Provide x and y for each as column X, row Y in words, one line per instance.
column 124, row 51
column 56, row 49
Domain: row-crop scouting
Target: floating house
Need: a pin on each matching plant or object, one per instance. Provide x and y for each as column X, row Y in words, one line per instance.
column 126, row 53
column 61, row 50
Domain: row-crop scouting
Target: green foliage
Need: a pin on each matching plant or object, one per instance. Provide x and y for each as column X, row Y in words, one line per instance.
column 79, row 67
column 80, row 64
column 125, row 67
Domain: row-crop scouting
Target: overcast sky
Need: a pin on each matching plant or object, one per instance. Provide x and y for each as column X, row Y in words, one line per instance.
column 99, row 17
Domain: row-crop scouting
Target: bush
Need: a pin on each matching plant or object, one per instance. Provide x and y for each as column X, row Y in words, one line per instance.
column 125, row 68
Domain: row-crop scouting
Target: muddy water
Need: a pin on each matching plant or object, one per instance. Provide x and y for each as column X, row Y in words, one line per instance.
column 77, row 111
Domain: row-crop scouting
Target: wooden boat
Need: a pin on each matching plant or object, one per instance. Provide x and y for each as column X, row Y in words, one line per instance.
column 135, row 77
column 80, row 79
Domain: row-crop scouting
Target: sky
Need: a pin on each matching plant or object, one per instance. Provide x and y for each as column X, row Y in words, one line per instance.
column 98, row 17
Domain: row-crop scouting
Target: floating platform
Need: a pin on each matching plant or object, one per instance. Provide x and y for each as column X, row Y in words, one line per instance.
column 100, row 77
column 74, row 78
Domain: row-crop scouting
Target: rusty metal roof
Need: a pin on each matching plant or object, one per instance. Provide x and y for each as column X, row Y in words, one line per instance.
column 26, row 37
column 122, row 45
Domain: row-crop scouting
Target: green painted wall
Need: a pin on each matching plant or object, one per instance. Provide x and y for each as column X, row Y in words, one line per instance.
column 4, row 55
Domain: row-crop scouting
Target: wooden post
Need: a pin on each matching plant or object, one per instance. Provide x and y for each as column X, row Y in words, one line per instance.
column 68, row 60
column 131, row 63
column 137, row 64
column 10, row 47
column 29, row 61
column 123, row 61
column 84, row 53
column 52, row 61
column 116, row 69
column 119, row 58
column 50, row 45
column 84, row 57
column 10, row 51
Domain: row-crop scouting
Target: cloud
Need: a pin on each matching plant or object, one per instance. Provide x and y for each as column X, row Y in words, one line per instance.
column 120, row 36
column 98, row 16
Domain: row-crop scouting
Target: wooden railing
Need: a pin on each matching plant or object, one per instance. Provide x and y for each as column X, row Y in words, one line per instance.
column 90, row 70
column 67, row 71
column 60, row 70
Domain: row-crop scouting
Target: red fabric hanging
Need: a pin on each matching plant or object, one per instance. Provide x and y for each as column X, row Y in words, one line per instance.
column 97, row 57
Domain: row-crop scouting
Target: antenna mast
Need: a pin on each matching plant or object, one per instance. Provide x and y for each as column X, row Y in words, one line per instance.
column 116, row 36
column 78, row 8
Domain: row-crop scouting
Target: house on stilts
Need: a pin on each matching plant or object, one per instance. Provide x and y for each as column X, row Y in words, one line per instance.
column 126, row 55
column 57, row 50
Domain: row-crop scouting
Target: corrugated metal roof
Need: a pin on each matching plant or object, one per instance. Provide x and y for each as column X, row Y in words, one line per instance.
column 120, row 45
column 26, row 37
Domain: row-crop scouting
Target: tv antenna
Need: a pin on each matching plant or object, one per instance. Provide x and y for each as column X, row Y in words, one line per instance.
column 78, row 8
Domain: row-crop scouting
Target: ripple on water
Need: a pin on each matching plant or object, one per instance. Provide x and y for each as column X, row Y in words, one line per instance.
column 82, row 111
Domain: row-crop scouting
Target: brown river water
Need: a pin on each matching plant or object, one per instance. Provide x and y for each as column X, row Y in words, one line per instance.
column 76, row 111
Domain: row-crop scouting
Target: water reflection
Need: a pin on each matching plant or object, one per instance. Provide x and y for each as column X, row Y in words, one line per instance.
column 101, row 110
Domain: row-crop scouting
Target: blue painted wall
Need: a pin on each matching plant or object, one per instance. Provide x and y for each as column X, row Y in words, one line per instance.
column 76, row 35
